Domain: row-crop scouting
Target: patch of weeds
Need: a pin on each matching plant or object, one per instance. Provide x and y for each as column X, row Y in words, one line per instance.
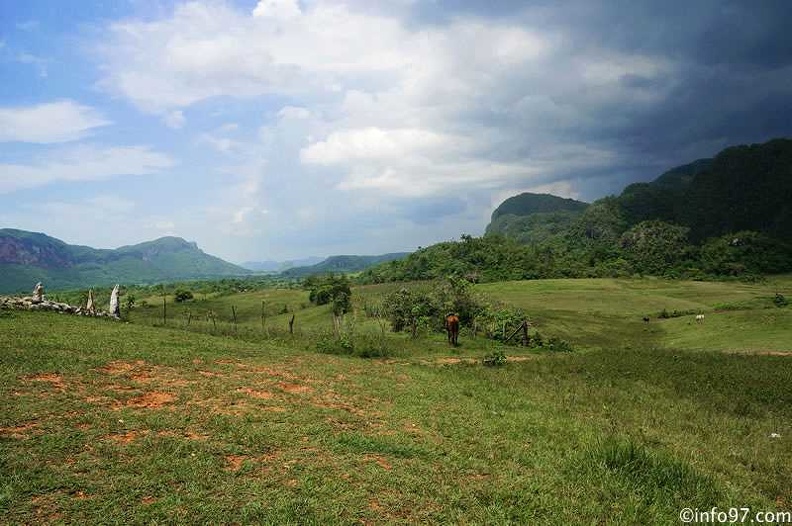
column 665, row 314
column 780, row 301
column 551, row 344
column 655, row 476
column 382, row 445
column 495, row 359
column 363, row 346
column 341, row 345
column 554, row 344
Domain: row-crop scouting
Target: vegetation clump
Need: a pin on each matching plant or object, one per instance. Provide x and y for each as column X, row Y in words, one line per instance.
column 779, row 300
column 495, row 359
column 182, row 295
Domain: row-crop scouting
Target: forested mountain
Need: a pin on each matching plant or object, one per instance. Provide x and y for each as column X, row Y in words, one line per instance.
column 726, row 216
column 534, row 218
column 742, row 188
column 342, row 264
column 527, row 203
column 29, row 257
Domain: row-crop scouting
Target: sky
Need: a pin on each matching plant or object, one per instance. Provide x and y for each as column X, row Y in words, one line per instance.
column 280, row 129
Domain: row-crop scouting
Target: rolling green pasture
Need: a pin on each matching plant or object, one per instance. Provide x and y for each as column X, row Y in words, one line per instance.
column 608, row 313
column 113, row 422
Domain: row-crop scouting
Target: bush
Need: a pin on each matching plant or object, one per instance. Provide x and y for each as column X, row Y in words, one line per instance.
column 330, row 289
column 558, row 345
column 495, row 359
column 182, row 295
column 780, row 300
column 363, row 346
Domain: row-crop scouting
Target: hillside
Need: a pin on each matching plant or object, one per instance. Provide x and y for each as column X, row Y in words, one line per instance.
column 280, row 266
column 528, row 203
column 534, row 218
column 729, row 216
column 343, row 264
column 741, row 188
column 29, row 257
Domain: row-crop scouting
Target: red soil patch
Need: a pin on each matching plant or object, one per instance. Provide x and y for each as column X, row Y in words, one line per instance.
column 18, row 432
column 269, row 371
column 151, row 400
column 190, row 435
column 381, row 462
column 126, row 438
column 294, row 388
column 148, row 500
column 263, row 395
column 234, row 462
column 55, row 380
column 120, row 367
column 81, row 495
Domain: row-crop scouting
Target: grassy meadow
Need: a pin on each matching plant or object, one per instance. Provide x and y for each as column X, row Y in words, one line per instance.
column 203, row 420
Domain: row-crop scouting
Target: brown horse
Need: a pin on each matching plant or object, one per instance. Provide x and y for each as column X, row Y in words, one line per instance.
column 452, row 328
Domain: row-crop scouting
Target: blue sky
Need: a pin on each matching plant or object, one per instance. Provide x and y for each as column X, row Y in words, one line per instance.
column 278, row 129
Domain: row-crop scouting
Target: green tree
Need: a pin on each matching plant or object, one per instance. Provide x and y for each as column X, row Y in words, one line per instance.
column 657, row 248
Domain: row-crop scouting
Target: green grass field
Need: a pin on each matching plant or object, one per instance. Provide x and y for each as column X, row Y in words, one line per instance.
column 107, row 422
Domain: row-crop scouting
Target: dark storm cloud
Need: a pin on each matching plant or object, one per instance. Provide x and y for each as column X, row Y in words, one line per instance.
column 729, row 81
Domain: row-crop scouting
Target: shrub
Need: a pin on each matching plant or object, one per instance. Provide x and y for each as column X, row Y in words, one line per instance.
column 363, row 346
column 495, row 359
column 182, row 295
column 779, row 300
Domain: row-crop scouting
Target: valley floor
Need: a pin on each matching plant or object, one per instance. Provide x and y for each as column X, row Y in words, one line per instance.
column 104, row 422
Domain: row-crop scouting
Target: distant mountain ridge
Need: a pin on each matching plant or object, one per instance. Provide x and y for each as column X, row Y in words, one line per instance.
column 343, row 264
column 280, row 266
column 728, row 216
column 29, row 257
column 741, row 188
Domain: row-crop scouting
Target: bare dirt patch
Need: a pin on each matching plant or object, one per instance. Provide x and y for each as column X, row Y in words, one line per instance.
column 19, row 432
column 380, row 461
column 121, row 367
column 226, row 361
column 55, row 380
column 150, row 400
column 189, row 435
column 294, row 388
column 234, row 462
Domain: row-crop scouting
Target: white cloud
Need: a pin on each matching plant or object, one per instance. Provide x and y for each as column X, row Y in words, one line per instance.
column 51, row 122
column 174, row 119
column 278, row 9
column 375, row 106
column 374, row 144
column 83, row 163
